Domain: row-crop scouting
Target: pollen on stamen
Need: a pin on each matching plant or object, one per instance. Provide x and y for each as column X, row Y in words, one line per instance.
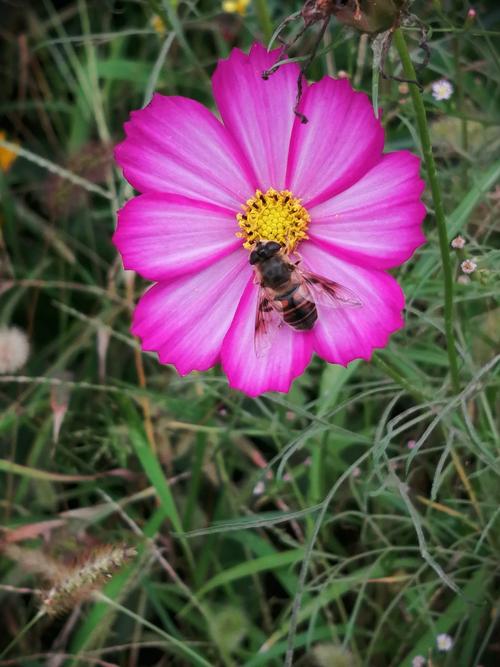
column 273, row 216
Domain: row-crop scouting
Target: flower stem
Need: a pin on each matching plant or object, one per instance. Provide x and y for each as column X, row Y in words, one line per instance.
column 423, row 131
column 264, row 19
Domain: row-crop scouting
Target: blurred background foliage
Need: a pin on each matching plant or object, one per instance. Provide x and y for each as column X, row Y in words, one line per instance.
column 368, row 495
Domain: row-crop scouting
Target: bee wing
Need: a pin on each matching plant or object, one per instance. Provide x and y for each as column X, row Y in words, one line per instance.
column 268, row 320
column 328, row 293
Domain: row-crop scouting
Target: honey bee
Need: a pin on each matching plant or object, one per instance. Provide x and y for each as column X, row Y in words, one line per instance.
column 289, row 295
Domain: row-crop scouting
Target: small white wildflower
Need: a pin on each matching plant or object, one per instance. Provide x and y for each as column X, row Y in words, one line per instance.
column 458, row 242
column 463, row 279
column 14, row 349
column 356, row 472
column 444, row 642
column 259, row 488
column 418, row 661
column 442, row 90
column 471, row 14
column 411, row 444
column 468, row 266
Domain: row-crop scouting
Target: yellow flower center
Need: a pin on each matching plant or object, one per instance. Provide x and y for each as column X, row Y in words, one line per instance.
column 273, row 216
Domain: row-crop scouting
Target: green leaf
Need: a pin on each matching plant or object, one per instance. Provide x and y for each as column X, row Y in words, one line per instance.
column 254, row 566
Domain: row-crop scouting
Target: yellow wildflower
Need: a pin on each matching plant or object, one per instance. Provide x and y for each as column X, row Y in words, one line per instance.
column 235, row 6
column 7, row 156
column 158, row 24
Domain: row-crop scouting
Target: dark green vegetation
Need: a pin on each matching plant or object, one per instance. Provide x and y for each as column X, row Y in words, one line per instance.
column 383, row 546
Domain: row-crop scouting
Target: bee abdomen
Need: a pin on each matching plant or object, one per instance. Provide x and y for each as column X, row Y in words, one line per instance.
column 298, row 312
column 301, row 317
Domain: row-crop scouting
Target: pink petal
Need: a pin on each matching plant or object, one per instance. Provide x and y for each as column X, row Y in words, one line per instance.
column 377, row 221
column 163, row 236
column 289, row 355
column 185, row 320
column 344, row 334
column 340, row 143
column 176, row 145
column 259, row 114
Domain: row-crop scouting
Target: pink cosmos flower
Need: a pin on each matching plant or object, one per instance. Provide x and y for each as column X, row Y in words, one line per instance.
column 211, row 188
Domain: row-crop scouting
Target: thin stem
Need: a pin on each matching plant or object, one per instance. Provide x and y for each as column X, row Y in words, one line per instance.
column 182, row 647
column 390, row 370
column 21, row 634
column 423, row 131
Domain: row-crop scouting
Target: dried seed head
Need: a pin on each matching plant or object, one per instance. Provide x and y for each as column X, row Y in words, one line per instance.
column 71, row 584
column 76, row 583
column 370, row 16
column 14, row 349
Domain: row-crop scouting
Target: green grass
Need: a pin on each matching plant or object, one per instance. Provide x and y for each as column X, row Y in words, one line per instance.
column 359, row 545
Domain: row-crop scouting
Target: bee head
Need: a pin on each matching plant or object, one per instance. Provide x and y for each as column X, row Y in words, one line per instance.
column 264, row 250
